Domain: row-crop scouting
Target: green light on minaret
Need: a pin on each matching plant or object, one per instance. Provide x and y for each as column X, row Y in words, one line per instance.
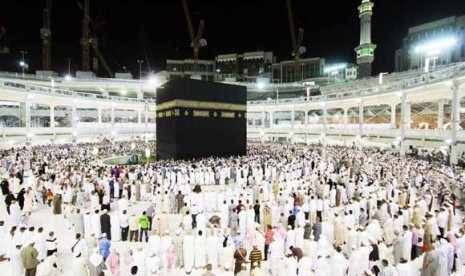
column 366, row 50
column 365, row 7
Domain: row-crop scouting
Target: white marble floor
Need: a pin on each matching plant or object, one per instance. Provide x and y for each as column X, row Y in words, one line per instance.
column 42, row 217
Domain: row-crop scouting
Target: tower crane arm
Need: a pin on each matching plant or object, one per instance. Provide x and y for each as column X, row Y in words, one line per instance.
column 2, row 32
column 81, row 7
column 102, row 59
column 199, row 32
column 299, row 41
column 46, row 36
column 190, row 27
column 290, row 16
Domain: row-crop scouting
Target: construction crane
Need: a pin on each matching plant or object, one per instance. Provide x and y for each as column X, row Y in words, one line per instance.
column 46, row 35
column 297, row 48
column 93, row 43
column 85, row 41
column 5, row 49
column 197, row 42
column 2, row 32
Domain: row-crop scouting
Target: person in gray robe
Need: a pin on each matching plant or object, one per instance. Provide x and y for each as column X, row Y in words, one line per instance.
column 77, row 220
column 430, row 264
column 317, row 229
column 96, row 264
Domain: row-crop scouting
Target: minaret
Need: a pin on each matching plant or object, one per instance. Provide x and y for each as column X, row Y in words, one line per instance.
column 366, row 50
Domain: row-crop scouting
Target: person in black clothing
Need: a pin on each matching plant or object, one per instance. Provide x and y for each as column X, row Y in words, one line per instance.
column 20, row 198
column 20, row 177
column 256, row 209
column 5, row 187
column 8, row 199
column 226, row 237
column 374, row 254
column 291, row 220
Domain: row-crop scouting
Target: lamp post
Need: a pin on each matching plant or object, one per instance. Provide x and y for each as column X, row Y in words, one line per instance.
column 23, row 63
column 434, row 48
column 427, row 69
column 302, row 71
column 69, row 66
column 308, row 86
column 140, row 61
column 334, row 70
column 218, row 71
column 381, row 78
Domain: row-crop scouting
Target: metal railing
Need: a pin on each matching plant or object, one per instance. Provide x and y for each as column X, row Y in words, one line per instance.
column 440, row 74
column 81, row 128
column 15, row 85
column 365, row 87
column 369, row 130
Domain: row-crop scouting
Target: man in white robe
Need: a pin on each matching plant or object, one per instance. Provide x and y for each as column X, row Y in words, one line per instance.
column 224, row 214
column 276, row 252
column 259, row 239
column 200, row 250
column 311, row 248
column 187, row 222
column 88, row 229
column 16, row 266
column 155, row 243
column 299, row 237
column 321, row 266
column 242, row 220
column 188, row 251
column 138, row 258
column 364, row 261
column 405, row 268
column 338, row 263
column 305, row 266
column 95, row 221
column 166, row 242
column 213, row 244
column 250, row 218
column 355, row 268
column 290, row 238
column 178, row 250
column 406, row 243
column 291, row 265
column 201, row 221
column 40, row 243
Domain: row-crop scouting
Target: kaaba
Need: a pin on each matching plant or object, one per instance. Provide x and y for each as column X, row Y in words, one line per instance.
column 198, row 119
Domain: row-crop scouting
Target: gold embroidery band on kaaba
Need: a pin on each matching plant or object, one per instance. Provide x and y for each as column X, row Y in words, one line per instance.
column 201, row 105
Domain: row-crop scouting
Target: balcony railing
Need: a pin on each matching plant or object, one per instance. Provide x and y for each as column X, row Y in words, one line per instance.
column 81, row 128
column 15, row 85
column 440, row 74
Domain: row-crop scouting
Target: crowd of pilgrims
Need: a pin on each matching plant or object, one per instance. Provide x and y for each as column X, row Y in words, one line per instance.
column 280, row 210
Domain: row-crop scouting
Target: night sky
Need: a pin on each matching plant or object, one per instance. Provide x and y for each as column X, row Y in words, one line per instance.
column 156, row 30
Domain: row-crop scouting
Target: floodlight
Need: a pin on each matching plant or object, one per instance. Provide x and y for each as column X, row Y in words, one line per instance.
column 435, row 46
